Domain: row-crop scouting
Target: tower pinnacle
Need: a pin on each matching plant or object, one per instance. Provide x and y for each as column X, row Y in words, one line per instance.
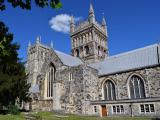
column 91, row 10
column 91, row 14
column 38, row 40
column 51, row 45
column 104, row 25
column 29, row 43
column 103, row 21
column 72, row 25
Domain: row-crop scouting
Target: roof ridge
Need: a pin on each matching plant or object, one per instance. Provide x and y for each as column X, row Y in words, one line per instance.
column 66, row 54
column 132, row 51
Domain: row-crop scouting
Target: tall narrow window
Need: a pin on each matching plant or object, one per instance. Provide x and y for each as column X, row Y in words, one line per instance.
column 50, row 80
column 109, row 90
column 70, row 76
column 136, row 87
column 77, row 52
column 86, row 50
column 98, row 50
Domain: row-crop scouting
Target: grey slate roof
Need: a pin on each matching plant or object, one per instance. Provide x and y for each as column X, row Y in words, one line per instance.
column 136, row 59
column 68, row 59
column 34, row 88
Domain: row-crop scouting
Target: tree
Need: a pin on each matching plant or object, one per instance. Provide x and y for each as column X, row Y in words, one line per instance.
column 13, row 82
column 26, row 4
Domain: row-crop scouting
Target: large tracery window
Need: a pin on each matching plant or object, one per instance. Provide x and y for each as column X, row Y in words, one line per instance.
column 136, row 87
column 109, row 90
column 50, row 80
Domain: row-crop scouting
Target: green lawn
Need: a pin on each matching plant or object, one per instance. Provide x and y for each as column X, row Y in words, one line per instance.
column 51, row 116
column 11, row 117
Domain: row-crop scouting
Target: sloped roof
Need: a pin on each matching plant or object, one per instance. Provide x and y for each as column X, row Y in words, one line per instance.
column 139, row 58
column 68, row 59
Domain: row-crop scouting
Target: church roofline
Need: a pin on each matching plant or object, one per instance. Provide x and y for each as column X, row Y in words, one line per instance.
column 68, row 60
column 133, row 51
column 133, row 60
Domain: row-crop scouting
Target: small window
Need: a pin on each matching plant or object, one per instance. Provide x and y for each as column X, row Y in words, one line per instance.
column 142, row 108
column 70, row 76
column 118, row 109
column 122, row 109
column 114, row 109
column 95, row 109
column 152, row 107
column 147, row 107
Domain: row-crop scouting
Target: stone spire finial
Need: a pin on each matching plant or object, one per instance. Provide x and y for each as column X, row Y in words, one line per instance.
column 91, row 10
column 29, row 44
column 91, row 14
column 104, row 25
column 72, row 20
column 51, row 45
column 72, row 25
column 103, row 20
column 38, row 40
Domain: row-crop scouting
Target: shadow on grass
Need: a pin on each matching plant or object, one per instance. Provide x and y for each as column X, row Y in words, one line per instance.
column 155, row 118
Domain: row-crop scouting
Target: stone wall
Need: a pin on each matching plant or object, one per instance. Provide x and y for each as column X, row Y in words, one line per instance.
column 150, row 76
column 79, row 90
column 133, row 109
column 42, row 105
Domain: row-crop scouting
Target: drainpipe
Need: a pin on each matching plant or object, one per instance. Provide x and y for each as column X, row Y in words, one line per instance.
column 131, row 112
column 158, row 53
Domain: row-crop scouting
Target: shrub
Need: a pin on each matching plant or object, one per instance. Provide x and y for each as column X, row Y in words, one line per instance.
column 13, row 109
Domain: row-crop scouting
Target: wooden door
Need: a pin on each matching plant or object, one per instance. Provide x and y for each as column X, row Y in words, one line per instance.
column 104, row 110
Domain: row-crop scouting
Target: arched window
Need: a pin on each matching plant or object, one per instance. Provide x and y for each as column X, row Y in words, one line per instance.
column 50, row 80
column 98, row 50
column 136, row 87
column 86, row 50
column 77, row 52
column 109, row 90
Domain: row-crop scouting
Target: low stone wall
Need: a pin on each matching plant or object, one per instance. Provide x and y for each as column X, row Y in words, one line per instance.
column 42, row 105
column 131, row 107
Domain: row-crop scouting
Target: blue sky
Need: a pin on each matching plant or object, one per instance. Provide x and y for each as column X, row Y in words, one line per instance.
column 131, row 23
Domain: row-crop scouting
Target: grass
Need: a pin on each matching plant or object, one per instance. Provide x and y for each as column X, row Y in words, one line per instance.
column 11, row 117
column 52, row 116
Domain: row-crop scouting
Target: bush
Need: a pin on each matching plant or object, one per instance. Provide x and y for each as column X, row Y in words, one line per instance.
column 13, row 109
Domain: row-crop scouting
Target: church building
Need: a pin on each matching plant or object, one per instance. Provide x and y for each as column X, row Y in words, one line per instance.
column 89, row 81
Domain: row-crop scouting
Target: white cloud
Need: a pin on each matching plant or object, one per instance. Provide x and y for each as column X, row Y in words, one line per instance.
column 61, row 22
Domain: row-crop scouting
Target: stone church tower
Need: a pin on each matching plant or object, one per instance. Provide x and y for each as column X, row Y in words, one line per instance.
column 89, row 39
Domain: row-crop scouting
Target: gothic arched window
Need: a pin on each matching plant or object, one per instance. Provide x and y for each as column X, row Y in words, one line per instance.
column 50, row 80
column 98, row 50
column 77, row 52
column 86, row 50
column 136, row 86
column 109, row 90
